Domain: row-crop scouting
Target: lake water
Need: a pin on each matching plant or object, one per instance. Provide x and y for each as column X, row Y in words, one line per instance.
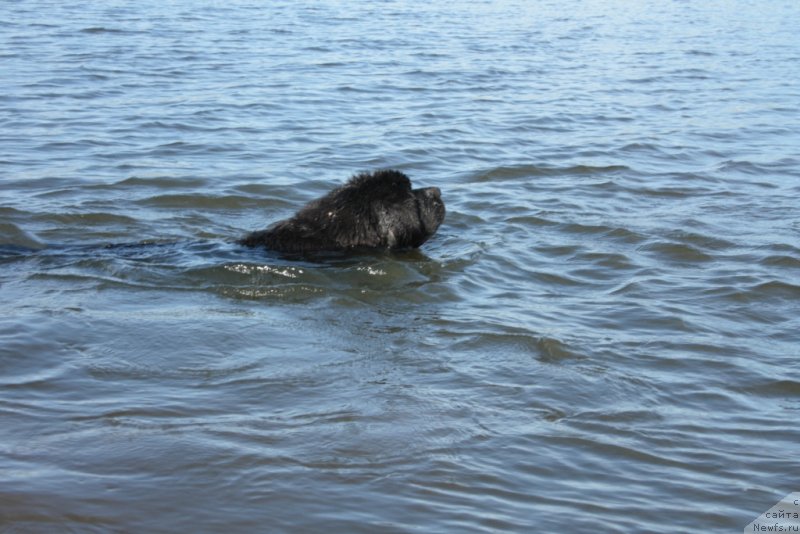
column 602, row 336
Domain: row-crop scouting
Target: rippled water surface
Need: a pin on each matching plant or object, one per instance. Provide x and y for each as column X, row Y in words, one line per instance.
column 603, row 335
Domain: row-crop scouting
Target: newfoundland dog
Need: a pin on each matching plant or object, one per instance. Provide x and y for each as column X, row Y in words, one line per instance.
column 373, row 210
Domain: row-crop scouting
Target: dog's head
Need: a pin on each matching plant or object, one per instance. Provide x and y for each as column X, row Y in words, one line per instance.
column 372, row 210
column 402, row 217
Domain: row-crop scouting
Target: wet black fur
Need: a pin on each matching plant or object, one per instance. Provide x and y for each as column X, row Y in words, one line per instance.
column 372, row 210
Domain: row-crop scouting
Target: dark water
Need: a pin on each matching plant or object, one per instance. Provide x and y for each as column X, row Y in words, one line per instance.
column 603, row 336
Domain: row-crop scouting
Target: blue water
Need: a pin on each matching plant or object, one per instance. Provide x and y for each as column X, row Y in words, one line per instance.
column 602, row 336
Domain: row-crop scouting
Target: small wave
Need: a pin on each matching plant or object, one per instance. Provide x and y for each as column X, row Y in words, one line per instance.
column 678, row 185
column 72, row 145
column 12, row 238
column 530, row 220
column 178, row 148
column 781, row 260
column 759, row 169
column 697, row 52
column 777, row 388
column 764, row 291
column 165, row 182
column 782, row 248
column 104, row 29
column 174, row 127
column 622, row 234
column 607, row 260
column 703, row 241
column 546, row 349
column 776, row 289
column 746, row 167
column 677, row 252
column 91, row 219
column 197, row 201
column 523, row 171
column 552, row 350
column 556, row 279
column 287, row 292
column 662, row 80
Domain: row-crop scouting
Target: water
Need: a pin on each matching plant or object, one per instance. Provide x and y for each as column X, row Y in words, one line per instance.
column 602, row 336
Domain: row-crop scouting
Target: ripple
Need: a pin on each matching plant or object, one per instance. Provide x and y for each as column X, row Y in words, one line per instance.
column 777, row 388
column 779, row 260
column 677, row 252
column 524, row 171
column 103, row 29
column 196, row 201
column 160, row 182
column 602, row 332
column 761, row 292
column 14, row 237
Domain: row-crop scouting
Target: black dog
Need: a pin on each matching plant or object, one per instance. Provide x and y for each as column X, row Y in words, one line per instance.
column 372, row 210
